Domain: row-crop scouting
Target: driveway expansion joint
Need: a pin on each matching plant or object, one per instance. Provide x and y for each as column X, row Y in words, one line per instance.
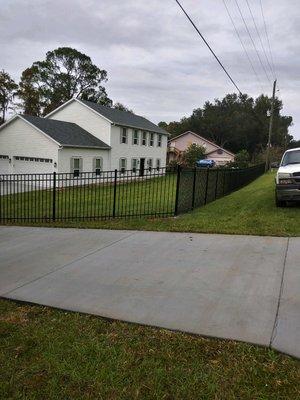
column 274, row 330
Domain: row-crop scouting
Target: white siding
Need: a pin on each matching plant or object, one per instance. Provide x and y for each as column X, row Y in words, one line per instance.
column 129, row 151
column 86, row 118
column 110, row 134
column 4, row 166
column 87, row 155
column 18, row 138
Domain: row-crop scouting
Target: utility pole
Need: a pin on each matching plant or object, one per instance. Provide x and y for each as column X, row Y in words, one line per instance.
column 267, row 167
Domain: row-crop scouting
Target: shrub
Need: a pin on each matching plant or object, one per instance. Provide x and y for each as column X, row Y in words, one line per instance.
column 192, row 154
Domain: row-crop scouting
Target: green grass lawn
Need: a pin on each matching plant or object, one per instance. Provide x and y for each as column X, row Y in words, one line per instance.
column 250, row 210
column 153, row 196
column 51, row 354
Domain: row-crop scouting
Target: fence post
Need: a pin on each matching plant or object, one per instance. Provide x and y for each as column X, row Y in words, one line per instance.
column 1, row 201
column 177, row 189
column 115, row 193
column 224, row 175
column 206, row 186
column 194, row 188
column 217, row 182
column 54, row 197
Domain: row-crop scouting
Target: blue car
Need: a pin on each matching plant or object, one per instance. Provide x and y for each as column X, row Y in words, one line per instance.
column 205, row 163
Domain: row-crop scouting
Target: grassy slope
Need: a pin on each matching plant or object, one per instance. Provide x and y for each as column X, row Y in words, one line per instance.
column 250, row 210
column 51, row 354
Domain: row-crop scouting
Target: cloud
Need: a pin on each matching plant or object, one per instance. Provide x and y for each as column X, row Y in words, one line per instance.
column 156, row 63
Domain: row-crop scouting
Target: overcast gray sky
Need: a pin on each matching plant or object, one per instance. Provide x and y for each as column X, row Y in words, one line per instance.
column 156, row 63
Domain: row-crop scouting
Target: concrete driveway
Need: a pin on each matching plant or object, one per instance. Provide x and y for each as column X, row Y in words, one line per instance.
column 239, row 287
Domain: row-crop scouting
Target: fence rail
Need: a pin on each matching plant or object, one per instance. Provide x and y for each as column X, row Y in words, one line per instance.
column 115, row 194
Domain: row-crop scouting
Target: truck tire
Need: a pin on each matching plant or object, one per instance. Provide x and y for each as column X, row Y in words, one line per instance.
column 280, row 203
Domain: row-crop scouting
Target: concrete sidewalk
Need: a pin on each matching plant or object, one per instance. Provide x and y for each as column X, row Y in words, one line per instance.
column 239, row 287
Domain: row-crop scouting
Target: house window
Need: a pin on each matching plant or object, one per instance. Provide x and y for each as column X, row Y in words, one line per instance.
column 123, row 135
column 134, row 165
column 4, row 157
column 123, row 164
column 151, row 140
column 76, row 166
column 135, row 137
column 157, row 164
column 159, row 140
column 220, row 151
column 144, row 139
column 150, row 164
column 98, row 165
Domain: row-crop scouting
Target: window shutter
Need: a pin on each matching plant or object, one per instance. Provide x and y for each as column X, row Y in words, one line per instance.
column 80, row 164
column 94, row 164
column 121, row 133
column 71, row 164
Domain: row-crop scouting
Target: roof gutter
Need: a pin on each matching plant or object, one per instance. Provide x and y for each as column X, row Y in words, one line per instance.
column 85, row 147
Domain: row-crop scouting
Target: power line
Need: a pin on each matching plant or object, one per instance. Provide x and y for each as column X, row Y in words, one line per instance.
column 249, row 33
column 267, row 36
column 258, row 34
column 211, row 50
column 242, row 43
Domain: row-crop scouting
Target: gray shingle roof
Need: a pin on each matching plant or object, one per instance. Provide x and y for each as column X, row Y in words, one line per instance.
column 67, row 134
column 124, row 118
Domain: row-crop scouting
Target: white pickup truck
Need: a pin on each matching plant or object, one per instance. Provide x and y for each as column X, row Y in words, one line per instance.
column 288, row 178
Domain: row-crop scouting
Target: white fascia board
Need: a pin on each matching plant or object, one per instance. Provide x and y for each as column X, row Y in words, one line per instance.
column 85, row 147
column 9, row 121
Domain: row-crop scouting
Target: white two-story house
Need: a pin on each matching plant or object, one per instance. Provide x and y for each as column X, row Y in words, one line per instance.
column 81, row 136
column 135, row 142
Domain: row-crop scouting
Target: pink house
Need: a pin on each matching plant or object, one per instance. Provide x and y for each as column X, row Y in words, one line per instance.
column 180, row 143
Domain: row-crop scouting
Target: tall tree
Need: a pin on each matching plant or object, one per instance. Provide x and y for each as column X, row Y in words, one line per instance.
column 29, row 93
column 236, row 122
column 65, row 73
column 122, row 107
column 8, row 89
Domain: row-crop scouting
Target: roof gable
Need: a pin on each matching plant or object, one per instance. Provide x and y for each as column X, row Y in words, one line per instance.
column 117, row 117
column 124, row 118
column 22, row 118
column 223, row 151
column 204, row 139
column 66, row 134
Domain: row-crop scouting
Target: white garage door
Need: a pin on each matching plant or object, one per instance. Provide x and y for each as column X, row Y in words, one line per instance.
column 4, row 164
column 32, row 165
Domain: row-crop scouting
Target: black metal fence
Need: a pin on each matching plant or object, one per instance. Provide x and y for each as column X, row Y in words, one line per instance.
column 99, row 195
column 197, row 187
